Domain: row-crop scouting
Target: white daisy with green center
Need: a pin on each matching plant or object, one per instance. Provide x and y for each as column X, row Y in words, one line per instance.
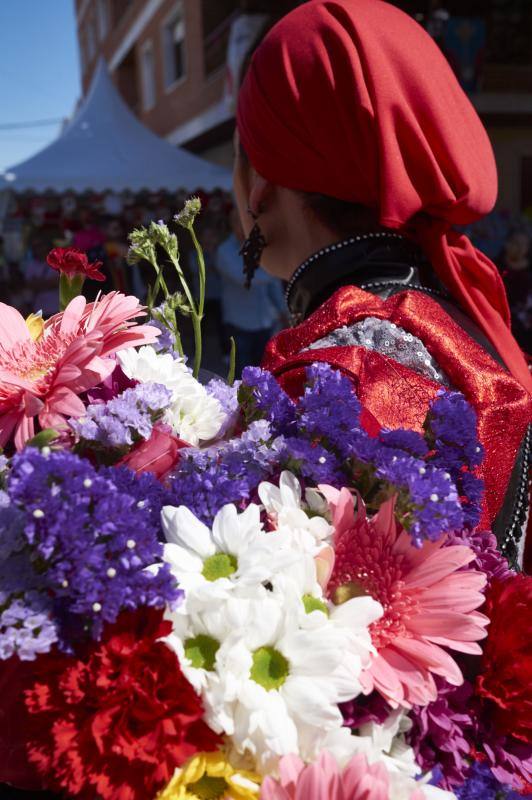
column 306, row 520
column 282, row 682
column 210, row 564
column 352, row 618
column 196, row 640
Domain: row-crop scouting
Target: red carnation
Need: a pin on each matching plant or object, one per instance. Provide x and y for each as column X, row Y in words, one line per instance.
column 116, row 723
column 70, row 261
column 506, row 677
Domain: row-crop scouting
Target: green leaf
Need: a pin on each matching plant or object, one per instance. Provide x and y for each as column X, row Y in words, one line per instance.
column 43, row 438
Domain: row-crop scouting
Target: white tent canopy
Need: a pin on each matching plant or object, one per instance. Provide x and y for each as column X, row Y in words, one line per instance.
column 105, row 147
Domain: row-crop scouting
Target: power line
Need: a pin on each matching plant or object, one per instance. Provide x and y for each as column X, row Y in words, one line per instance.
column 36, row 123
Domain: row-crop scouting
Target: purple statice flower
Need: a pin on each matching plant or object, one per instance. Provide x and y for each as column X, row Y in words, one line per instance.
column 442, row 732
column 227, row 396
column 451, row 427
column 329, row 411
column 428, row 502
column 260, row 396
column 206, row 480
column 481, row 784
column 163, row 318
column 27, row 628
column 11, row 528
column 313, row 462
column 165, row 343
column 407, row 441
column 125, row 419
column 451, row 432
column 471, row 488
column 92, row 538
column 149, row 493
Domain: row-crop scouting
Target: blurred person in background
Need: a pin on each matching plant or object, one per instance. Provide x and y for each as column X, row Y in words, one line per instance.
column 209, row 240
column 115, row 249
column 39, row 288
column 515, row 263
column 252, row 315
column 89, row 237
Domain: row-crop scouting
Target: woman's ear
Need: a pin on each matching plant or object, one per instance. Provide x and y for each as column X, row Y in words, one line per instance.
column 261, row 191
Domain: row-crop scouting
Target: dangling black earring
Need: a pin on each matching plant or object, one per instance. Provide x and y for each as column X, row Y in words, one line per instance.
column 252, row 249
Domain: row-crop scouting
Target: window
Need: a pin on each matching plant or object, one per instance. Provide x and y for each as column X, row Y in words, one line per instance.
column 126, row 77
column 103, row 19
column 147, row 68
column 174, row 46
column 217, row 19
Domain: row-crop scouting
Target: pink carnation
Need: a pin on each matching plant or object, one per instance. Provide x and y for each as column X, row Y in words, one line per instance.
column 429, row 600
column 43, row 379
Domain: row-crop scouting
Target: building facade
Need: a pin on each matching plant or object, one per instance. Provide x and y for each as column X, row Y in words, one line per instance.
column 169, row 59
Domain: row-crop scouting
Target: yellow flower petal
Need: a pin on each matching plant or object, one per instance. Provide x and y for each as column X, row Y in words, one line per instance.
column 210, row 776
column 35, row 325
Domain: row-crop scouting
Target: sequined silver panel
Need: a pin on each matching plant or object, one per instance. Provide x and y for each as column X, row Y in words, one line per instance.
column 390, row 340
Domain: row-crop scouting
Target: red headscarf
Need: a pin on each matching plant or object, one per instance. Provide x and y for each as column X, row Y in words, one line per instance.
column 353, row 99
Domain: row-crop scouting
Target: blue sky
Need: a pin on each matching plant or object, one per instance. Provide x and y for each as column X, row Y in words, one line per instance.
column 39, row 72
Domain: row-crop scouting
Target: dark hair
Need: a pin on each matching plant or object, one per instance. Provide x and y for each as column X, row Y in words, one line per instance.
column 341, row 216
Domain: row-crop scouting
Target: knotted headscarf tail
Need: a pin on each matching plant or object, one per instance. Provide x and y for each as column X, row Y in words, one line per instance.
column 353, row 99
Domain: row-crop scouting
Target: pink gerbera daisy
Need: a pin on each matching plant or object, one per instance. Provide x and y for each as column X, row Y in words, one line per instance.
column 43, row 378
column 325, row 780
column 429, row 601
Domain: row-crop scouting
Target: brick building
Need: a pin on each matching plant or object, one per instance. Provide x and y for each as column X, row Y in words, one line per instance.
column 168, row 59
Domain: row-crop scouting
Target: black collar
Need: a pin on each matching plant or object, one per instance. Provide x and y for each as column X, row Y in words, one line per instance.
column 367, row 260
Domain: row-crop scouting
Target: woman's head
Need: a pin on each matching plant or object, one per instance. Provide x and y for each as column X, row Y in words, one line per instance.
column 352, row 99
column 295, row 224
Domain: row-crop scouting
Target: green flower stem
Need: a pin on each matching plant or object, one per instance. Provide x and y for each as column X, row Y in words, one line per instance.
column 160, row 283
column 232, row 363
column 196, row 310
column 69, row 288
column 201, row 272
column 184, row 284
column 177, row 335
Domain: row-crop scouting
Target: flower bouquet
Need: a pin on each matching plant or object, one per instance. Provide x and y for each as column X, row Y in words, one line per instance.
column 217, row 590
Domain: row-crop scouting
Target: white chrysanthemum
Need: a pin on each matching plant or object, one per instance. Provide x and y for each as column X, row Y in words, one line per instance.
column 196, row 639
column 384, row 743
column 282, row 681
column 353, row 618
column 209, row 565
column 194, row 414
column 306, row 521
column 145, row 364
